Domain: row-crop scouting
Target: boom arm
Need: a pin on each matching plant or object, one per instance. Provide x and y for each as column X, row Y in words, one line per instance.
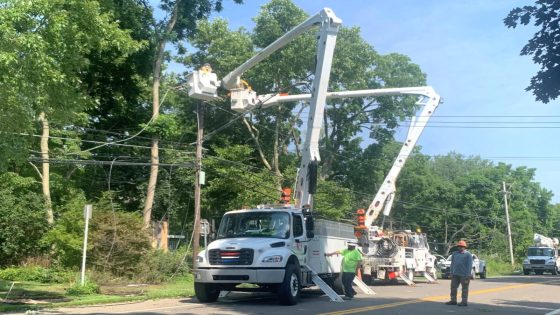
column 203, row 84
column 384, row 197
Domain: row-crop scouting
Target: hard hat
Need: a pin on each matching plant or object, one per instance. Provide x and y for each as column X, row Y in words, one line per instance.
column 462, row 243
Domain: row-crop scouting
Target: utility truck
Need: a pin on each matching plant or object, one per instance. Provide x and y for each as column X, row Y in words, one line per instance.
column 542, row 256
column 280, row 248
column 276, row 248
column 400, row 254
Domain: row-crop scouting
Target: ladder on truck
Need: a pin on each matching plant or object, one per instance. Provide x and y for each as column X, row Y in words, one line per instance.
column 406, row 279
column 324, row 286
column 363, row 287
column 429, row 277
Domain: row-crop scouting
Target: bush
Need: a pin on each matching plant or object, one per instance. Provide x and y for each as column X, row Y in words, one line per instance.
column 158, row 266
column 88, row 288
column 37, row 274
column 117, row 241
column 23, row 220
column 67, row 236
column 498, row 267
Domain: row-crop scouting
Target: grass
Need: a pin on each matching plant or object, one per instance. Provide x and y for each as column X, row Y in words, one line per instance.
column 501, row 268
column 26, row 295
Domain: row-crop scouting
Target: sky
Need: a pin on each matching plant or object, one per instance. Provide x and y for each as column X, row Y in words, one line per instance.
column 472, row 60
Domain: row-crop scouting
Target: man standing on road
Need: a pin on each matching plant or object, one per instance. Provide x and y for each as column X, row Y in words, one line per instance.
column 352, row 258
column 461, row 266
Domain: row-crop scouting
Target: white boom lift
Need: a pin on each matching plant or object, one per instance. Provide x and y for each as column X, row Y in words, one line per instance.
column 204, row 84
column 297, row 259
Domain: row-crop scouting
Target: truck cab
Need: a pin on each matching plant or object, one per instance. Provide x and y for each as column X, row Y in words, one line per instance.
column 266, row 246
column 541, row 259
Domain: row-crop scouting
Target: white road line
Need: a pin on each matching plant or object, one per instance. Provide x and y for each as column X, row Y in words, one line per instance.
column 554, row 312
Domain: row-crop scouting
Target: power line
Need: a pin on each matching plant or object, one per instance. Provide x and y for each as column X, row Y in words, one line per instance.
column 106, row 162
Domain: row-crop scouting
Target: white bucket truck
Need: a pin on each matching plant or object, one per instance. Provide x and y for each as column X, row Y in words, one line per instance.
column 542, row 256
column 274, row 248
column 281, row 248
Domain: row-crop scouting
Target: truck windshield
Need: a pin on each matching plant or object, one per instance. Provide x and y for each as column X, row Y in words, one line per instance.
column 534, row 251
column 255, row 224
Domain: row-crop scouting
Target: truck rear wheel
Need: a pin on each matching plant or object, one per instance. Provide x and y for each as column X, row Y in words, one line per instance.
column 206, row 292
column 288, row 292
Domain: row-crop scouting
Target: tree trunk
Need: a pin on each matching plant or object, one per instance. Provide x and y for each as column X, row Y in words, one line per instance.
column 155, row 114
column 255, row 135
column 46, row 167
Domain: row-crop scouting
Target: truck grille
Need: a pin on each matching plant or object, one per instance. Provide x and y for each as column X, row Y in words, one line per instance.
column 231, row 257
column 537, row 261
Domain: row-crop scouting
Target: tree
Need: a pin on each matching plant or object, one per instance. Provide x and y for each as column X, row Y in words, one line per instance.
column 179, row 25
column 544, row 46
column 45, row 46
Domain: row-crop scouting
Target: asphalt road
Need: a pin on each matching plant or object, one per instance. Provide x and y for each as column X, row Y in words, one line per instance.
column 502, row 295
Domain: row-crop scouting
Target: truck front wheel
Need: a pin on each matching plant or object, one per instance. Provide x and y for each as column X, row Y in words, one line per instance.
column 526, row 271
column 206, row 292
column 555, row 270
column 483, row 273
column 288, row 292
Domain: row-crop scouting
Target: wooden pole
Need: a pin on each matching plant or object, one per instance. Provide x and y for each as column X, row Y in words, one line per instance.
column 196, row 225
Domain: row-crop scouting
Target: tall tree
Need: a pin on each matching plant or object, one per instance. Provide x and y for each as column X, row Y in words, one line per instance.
column 180, row 23
column 544, row 46
column 44, row 46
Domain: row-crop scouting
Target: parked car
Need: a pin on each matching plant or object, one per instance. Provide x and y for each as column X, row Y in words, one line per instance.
column 479, row 268
column 440, row 260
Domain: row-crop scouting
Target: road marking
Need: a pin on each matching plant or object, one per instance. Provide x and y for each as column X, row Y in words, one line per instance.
column 437, row 298
column 553, row 312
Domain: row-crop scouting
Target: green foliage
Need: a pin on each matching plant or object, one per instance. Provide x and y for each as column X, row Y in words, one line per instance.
column 333, row 201
column 87, row 288
column 66, row 237
column 233, row 187
column 117, row 241
column 158, row 266
column 543, row 46
column 495, row 266
column 22, row 218
column 166, row 126
column 37, row 274
column 44, row 46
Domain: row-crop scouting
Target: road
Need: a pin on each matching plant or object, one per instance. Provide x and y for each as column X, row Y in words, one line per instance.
column 501, row 295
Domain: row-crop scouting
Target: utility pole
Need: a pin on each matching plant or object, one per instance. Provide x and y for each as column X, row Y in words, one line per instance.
column 196, row 225
column 88, row 209
column 508, row 226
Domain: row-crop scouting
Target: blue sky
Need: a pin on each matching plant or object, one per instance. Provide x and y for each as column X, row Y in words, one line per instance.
column 472, row 60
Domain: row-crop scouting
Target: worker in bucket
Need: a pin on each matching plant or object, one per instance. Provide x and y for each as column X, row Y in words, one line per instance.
column 352, row 258
column 461, row 266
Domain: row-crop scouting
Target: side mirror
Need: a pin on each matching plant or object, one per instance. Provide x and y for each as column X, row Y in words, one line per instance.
column 310, row 227
column 310, row 234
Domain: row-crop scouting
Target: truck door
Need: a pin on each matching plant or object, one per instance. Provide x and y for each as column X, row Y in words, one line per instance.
column 299, row 245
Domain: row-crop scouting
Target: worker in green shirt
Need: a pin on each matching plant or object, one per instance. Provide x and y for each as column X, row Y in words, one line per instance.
column 352, row 258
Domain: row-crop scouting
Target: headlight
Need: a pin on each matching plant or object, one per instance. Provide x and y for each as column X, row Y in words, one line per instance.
column 199, row 259
column 526, row 261
column 272, row 259
column 550, row 262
